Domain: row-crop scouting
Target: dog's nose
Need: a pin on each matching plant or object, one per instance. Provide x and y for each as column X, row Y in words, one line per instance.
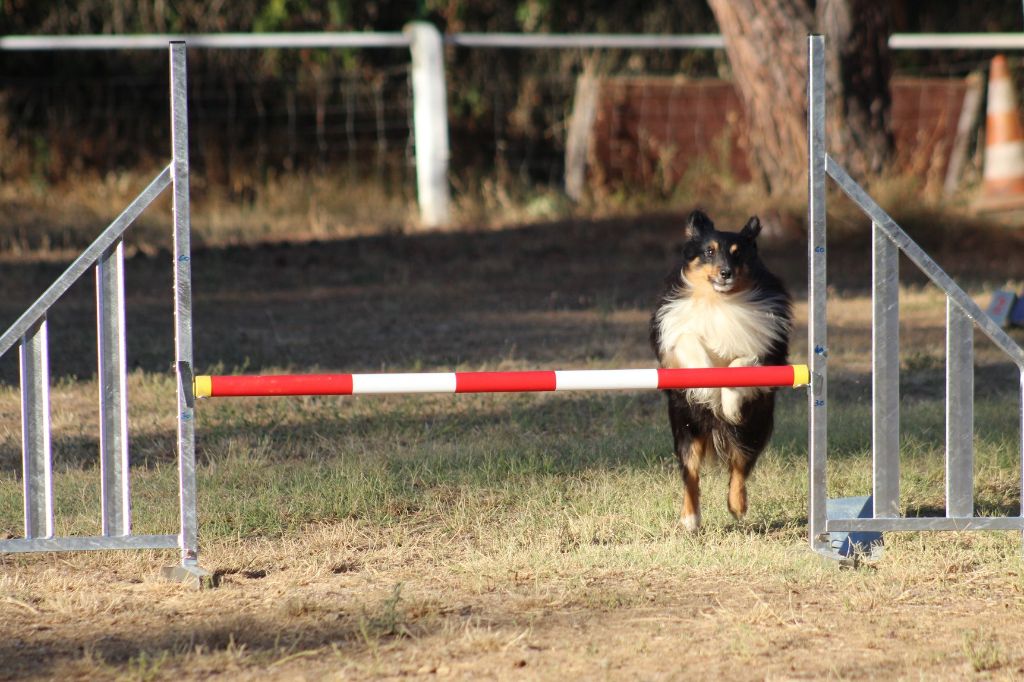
column 726, row 273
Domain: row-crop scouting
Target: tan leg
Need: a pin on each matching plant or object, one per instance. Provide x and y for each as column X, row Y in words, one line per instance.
column 690, row 517
column 738, row 489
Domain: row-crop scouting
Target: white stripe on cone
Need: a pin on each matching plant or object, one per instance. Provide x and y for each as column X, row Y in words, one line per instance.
column 1004, row 161
column 1002, row 97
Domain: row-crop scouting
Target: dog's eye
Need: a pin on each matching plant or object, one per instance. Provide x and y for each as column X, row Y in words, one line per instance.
column 709, row 252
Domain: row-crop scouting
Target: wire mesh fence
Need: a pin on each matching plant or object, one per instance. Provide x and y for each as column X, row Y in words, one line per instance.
column 258, row 116
column 245, row 121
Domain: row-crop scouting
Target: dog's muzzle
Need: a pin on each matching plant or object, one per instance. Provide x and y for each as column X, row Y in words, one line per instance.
column 723, row 286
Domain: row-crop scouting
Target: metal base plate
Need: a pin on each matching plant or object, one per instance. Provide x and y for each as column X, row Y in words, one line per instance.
column 193, row 576
column 854, row 545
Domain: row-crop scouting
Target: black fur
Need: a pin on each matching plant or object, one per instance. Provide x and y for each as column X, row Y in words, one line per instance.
column 734, row 263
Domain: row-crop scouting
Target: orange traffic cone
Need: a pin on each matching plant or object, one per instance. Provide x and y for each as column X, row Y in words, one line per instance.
column 1003, row 179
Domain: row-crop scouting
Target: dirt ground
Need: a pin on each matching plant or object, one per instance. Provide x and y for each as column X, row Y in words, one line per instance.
column 945, row 618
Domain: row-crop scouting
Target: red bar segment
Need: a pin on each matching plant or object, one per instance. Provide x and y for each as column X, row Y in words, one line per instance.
column 504, row 382
column 734, row 377
column 283, row 384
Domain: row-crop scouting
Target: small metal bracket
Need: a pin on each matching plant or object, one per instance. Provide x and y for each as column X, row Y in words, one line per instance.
column 817, row 384
column 187, row 388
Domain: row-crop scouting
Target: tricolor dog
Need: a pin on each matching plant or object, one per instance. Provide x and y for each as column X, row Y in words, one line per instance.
column 721, row 308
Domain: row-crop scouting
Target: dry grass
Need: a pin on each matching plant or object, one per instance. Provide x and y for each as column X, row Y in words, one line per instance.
column 494, row 536
column 353, row 599
column 56, row 221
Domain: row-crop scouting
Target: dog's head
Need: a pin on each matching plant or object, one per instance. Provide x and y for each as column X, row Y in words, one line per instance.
column 719, row 261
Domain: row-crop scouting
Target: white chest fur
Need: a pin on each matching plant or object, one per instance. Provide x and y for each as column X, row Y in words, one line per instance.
column 742, row 325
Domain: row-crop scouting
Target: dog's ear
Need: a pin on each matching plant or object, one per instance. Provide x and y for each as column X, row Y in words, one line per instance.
column 698, row 225
column 751, row 229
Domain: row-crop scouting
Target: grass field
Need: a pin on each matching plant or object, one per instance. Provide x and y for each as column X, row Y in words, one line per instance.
column 499, row 536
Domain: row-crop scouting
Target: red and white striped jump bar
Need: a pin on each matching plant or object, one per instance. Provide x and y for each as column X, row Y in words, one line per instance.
column 500, row 382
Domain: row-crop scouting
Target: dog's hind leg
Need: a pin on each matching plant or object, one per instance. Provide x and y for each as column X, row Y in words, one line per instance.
column 744, row 444
column 690, row 441
column 690, row 461
column 740, row 465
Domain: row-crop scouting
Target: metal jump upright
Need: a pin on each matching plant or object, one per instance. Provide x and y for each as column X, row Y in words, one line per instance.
column 962, row 314
column 29, row 333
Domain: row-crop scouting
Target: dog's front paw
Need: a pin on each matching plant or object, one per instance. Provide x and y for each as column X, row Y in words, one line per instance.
column 708, row 397
column 732, row 404
column 733, row 398
column 690, row 522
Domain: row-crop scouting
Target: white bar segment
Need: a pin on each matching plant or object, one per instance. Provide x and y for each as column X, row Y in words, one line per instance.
column 440, row 382
column 605, row 379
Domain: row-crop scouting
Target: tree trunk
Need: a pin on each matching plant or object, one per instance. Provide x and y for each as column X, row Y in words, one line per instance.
column 767, row 48
column 858, row 73
column 765, row 42
column 581, row 126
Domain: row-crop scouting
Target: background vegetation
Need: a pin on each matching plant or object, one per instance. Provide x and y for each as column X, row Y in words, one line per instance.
column 65, row 114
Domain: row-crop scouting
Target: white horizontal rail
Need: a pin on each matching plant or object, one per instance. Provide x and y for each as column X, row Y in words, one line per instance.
column 697, row 41
column 957, row 41
column 383, row 39
column 223, row 41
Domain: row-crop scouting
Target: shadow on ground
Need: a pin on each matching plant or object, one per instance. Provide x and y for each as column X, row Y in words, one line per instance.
column 559, row 293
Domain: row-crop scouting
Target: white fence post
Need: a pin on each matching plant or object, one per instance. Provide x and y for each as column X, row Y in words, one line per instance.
column 430, row 122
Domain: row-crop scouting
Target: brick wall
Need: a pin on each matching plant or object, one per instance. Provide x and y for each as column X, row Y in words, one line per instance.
column 653, row 130
column 925, row 112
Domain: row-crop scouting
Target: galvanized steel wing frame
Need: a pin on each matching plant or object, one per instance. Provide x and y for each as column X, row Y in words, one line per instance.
column 962, row 314
column 29, row 333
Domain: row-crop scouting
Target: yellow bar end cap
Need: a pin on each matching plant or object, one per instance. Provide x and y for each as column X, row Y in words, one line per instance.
column 202, row 386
